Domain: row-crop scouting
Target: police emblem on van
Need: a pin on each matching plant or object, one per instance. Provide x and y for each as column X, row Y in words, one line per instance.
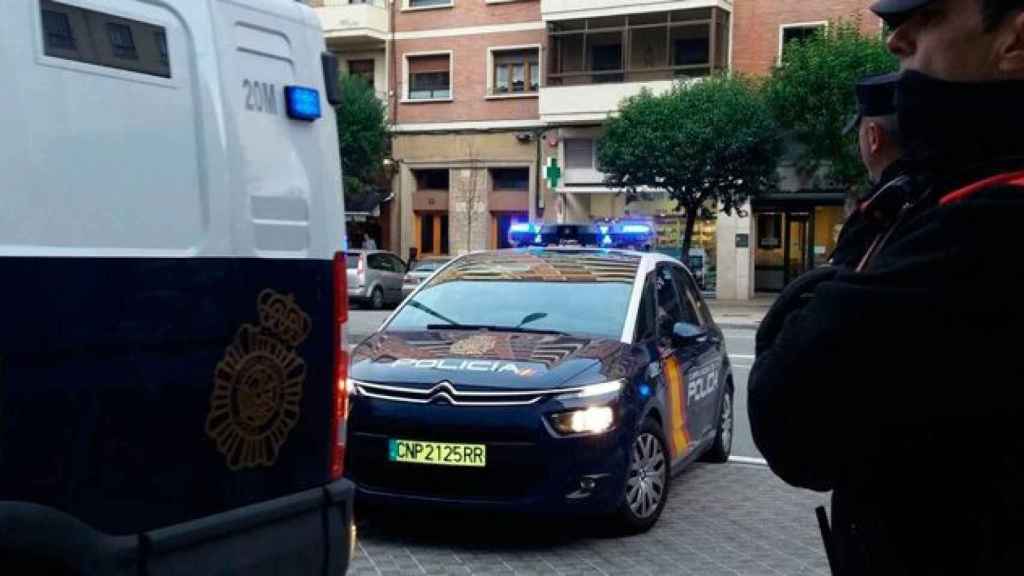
column 258, row 385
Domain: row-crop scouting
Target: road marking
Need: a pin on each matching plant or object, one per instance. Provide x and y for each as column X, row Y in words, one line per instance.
column 748, row 460
column 742, row 356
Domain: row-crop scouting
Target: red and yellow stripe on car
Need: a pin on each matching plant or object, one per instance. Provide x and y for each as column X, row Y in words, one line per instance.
column 679, row 439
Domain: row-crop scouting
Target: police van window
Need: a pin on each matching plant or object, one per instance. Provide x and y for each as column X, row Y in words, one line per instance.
column 101, row 39
column 57, row 28
column 121, row 41
column 690, row 301
column 645, row 318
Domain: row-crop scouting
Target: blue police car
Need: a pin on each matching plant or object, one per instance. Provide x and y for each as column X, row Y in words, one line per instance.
column 555, row 379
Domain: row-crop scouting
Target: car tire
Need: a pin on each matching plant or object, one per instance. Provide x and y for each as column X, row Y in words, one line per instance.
column 377, row 299
column 649, row 466
column 722, row 446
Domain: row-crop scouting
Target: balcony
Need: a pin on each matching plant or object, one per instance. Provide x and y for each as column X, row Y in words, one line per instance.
column 570, row 9
column 625, row 54
column 352, row 22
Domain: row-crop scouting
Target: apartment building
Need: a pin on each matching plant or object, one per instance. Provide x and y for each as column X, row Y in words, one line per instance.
column 497, row 107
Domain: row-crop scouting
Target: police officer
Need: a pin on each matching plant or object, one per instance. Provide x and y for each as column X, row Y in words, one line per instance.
column 882, row 153
column 896, row 384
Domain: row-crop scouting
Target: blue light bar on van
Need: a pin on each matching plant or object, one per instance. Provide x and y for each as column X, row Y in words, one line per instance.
column 302, row 103
column 521, row 227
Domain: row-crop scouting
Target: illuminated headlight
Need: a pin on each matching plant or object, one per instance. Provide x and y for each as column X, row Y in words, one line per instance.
column 352, row 387
column 595, row 420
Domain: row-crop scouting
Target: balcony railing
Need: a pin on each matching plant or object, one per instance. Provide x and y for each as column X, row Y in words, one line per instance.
column 340, row 3
column 345, row 21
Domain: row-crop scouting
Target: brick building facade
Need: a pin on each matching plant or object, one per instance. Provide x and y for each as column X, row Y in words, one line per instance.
column 483, row 95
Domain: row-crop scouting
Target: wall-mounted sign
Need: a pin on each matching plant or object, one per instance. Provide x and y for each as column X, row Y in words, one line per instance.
column 743, row 240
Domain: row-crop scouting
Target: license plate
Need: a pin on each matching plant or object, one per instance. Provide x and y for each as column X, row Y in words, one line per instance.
column 437, row 453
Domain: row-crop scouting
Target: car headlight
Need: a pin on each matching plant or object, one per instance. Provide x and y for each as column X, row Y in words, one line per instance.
column 594, row 420
column 594, row 390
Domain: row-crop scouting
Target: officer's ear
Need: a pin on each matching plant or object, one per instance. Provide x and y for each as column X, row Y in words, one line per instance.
column 876, row 136
column 1010, row 46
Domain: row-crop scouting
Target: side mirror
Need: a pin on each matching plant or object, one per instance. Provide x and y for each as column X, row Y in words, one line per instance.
column 686, row 333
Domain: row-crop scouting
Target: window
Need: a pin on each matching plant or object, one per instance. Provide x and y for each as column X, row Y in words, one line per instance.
column 689, row 298
column 396, row 263
column 797, row 33
column 121, row 41
column 670, row 306
column 80, row 35
column 430, row 77
column 517, row 179
column 579, row 153
column 428, row 3
column 646, row 315
column 161, row 46
column 377, row 262
column 638, row 47
column 433, row 179
column 769, row 231
column 516, row 71
column 57, row 28
column 576, row 307
column 364, row 69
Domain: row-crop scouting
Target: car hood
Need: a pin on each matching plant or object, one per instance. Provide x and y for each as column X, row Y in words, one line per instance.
column 479, row 360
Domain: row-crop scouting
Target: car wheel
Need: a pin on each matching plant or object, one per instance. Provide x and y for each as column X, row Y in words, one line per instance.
column 647, row 480
column 722, row 447
column 377, row 299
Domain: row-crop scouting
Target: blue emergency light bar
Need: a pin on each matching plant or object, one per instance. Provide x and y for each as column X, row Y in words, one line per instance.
column 302, row 103
column 604, row 235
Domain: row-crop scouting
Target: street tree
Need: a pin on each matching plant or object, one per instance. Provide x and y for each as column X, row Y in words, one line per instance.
column 472, row 201
column 362, row 138
column 812, row 96
column 710, row 144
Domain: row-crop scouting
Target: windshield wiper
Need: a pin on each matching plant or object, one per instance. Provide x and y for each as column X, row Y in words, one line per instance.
column 492, row 328
column 433, row 312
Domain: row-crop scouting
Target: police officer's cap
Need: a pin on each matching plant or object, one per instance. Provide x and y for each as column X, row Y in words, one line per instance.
column 876, row 96
column 895, row 12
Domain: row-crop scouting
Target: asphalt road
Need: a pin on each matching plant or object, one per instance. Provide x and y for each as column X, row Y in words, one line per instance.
column 739, row 342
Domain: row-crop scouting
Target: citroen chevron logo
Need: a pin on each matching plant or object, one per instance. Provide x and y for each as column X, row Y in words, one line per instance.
column 443, row 391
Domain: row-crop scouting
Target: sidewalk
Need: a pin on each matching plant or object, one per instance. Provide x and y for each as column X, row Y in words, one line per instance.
column 744, row 314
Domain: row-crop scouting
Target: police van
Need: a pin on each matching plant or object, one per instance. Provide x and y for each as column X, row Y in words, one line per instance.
column 173, row 284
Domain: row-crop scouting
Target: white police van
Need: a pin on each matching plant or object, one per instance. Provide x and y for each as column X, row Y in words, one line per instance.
column 172, row 283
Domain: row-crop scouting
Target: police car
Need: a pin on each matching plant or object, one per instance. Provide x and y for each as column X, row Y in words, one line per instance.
column 550, row 378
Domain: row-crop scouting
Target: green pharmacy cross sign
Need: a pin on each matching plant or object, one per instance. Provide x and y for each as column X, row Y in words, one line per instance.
column 553, row 173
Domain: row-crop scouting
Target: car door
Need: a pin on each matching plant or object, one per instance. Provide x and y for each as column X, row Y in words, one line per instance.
column 703, row 361
column 673, row 362
column 376, row 276
column 396, row 273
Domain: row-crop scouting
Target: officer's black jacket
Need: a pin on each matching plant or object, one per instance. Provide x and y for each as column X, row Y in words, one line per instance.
column 899, row 387
column 874, row 213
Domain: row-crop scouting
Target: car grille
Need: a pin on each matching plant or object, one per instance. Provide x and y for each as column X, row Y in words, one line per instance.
column 445, row 393
column 513, row 471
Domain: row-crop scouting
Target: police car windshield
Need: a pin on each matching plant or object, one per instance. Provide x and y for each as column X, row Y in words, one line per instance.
column 573, row 308
column 584, row 292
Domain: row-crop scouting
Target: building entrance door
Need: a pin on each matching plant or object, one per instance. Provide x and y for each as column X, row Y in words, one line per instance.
column 797, row 245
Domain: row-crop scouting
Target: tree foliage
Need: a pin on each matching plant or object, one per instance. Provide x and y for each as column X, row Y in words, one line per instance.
column 707, row 143
column 812, row 94
column 362, row 137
